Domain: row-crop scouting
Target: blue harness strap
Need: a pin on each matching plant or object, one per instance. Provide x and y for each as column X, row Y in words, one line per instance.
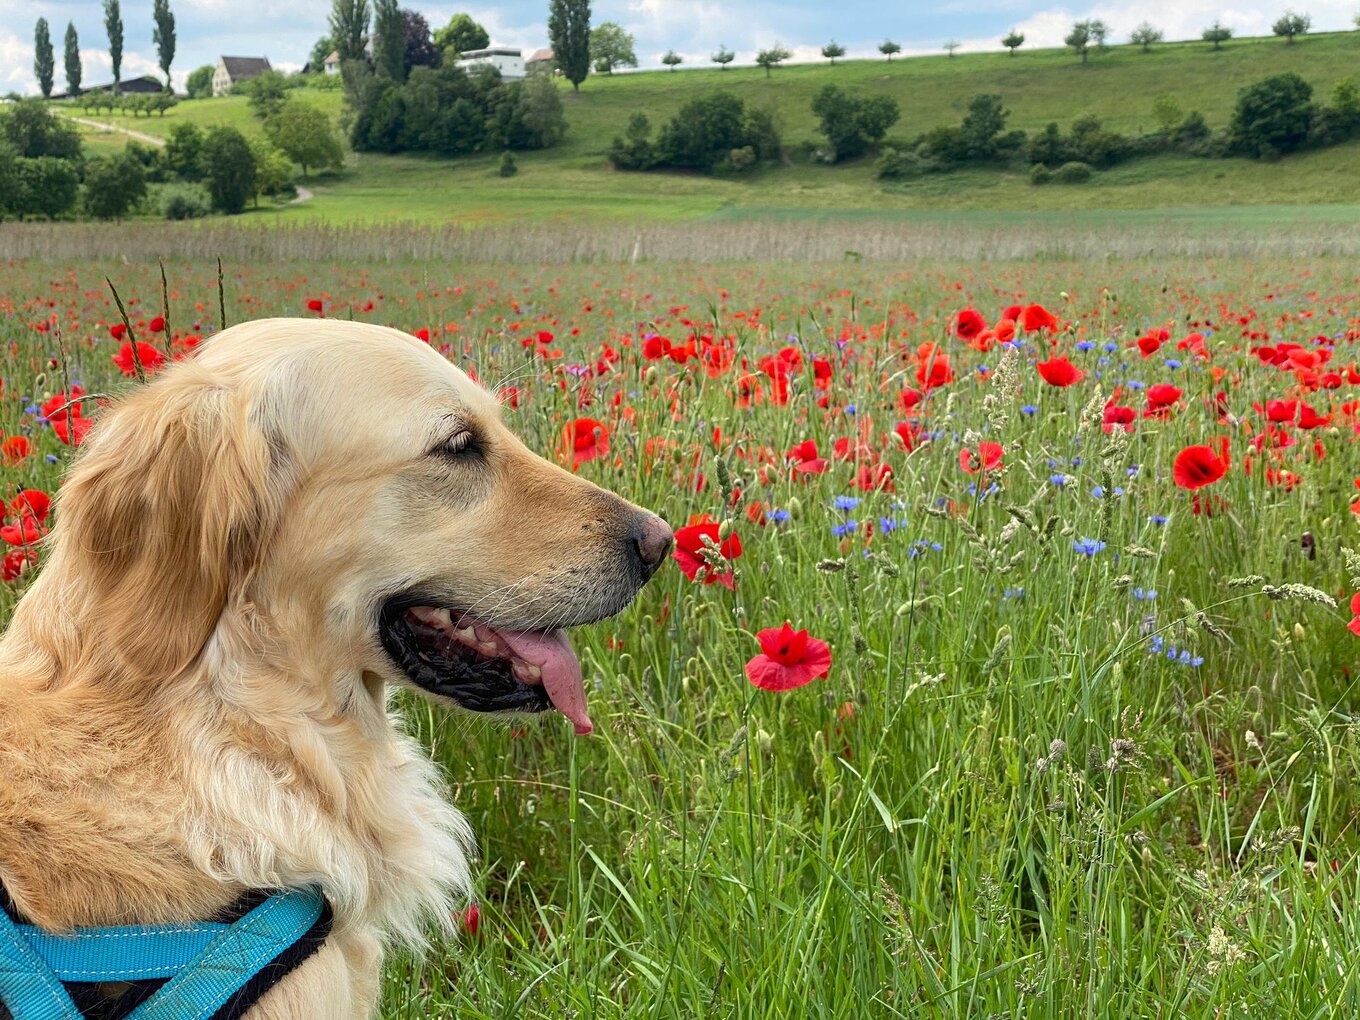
column 207, row 964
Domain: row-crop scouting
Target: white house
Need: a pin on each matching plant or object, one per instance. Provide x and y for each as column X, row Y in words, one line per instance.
column 331, row 65
column 509, row 62
column 234, row 70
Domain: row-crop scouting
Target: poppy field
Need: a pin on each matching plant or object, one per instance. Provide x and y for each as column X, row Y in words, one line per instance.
column 1006, row 666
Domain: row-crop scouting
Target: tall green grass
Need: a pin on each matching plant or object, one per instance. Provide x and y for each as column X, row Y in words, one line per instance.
column 1001, row 802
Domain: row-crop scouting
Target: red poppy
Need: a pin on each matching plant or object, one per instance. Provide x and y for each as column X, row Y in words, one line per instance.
column 472, row 919
column 805, row 459
column 697, row 557
column 1198, row 466
column 1117, row 416
column 1353, row 626
column 157, row 324
column 934, row 370
column 788, row 658
column 987, row 457
column 150, row 358
column 118, row 331
column 14, row 450
column 1060, row 372
column 422, row 334
column 1037, row 317
column 969, row 323
column 72, row 432
column 315, row 305
column 585, row 439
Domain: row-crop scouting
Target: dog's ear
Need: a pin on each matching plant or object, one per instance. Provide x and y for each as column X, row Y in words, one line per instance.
column 164, row 512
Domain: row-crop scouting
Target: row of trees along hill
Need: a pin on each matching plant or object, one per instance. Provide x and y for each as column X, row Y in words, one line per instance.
column 44, row 60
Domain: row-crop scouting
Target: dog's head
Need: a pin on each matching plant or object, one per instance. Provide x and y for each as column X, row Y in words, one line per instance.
column 344, row 493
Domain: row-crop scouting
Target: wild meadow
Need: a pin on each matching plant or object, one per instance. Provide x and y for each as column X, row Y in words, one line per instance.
column 1074, row 534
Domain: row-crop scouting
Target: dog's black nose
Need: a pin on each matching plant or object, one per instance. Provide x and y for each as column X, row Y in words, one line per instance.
column 652, row 539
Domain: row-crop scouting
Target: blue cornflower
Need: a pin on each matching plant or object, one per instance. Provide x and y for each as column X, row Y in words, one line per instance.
column 1132, row 471
column 1058, row 479
column 889, row 524
column 1029, row 409
column 1155, row 646
column 1134, row 384
column 1172, row 363
column 1085, row 345
column 1144, row 594
column 841, row 530
column 1111, row 347
column 52, row 458
column 1013, row 593
column 1158, row 519
column 850, row 409
column 1088, row 546
column 846, row 502
column 777, row 516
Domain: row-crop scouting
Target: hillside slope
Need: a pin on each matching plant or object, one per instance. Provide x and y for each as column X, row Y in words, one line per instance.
column 1040, row 86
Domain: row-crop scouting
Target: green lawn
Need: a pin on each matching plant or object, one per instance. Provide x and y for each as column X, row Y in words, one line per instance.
column 574, row 180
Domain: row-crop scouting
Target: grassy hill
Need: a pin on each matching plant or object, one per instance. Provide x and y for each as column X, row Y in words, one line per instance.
column 574, row 180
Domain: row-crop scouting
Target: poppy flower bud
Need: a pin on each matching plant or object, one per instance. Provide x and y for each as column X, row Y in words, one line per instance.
column 795, row 506
column 725, row 529
column 1147, row 856
column 650, row 375
column 1299, row 633
column 39, row 379
column 764, row 743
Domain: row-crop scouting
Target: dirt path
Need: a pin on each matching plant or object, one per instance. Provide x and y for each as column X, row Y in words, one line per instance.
column 149, row 139
column 303, row 195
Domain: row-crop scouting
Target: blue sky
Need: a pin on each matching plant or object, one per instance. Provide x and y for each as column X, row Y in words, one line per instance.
column 285, row 31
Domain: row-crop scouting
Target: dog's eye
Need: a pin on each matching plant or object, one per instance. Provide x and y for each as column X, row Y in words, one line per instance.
column 459, row 443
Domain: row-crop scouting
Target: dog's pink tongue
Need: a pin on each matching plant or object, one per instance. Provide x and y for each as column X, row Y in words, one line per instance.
column 552, row 653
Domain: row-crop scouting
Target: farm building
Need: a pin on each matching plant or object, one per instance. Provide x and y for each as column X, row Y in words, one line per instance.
column 539, row 60
column 145, row 85
column 231, row 71
column 508, row 61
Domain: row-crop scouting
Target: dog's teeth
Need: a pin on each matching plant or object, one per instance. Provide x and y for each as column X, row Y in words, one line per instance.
column 488, row 647
column 442, row 617
column 467, row 635
column 533, row 671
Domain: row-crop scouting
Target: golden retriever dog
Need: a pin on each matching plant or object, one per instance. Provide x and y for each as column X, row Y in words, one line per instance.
column 250, row 551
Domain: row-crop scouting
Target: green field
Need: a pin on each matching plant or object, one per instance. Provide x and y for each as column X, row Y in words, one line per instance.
column 574, row 181
column 1078, row 753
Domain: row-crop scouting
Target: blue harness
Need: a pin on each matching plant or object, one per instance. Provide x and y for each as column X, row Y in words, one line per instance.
column 198, row 971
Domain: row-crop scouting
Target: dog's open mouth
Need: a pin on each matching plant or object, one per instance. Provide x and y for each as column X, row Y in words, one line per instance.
column 485, row 668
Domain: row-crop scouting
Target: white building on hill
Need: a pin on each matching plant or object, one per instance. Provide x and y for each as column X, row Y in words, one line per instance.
column 509, row 62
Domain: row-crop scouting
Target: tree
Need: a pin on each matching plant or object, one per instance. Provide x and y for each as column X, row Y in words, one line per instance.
column 1099, row 31
column 1291, row 24
column 1145, row 36
column 230, row 168
column 461, row 35
column 113, row 186
column 982, row 126
column 389, row 42
column 113, row 26
column 199, row 85
column 1080, row 39
column 44, row 64
column 887, row 47
column 832, row 50
column 772, row 57
column 349, row 28
column 1217, row 34
column 1273, row 116
column 704, row 132
column 853, row 123
column 273, row 169
column 321, row 49
column 671, row 59
column 635, row 150
column 1166, row 111
column 723, row 57
column 539, row 108
column 33, row 130
column 164, row 36
column 951, row 45
column 266, row 93
column 184, row 151
column 305, row 135
column 73, row 68
column 46, row 186
column 569, row 32
column 1013, row 41
column 611, row 47
column 420, row 48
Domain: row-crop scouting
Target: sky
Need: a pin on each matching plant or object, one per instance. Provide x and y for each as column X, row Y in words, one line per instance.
column 285, row 31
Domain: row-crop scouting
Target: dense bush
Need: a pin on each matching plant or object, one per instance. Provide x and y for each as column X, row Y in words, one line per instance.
column 229, row 167
column 32, row 130
column 1075, row 172
column 1273, row 117
column 113, row 186
column 449, row 111
column 184, row 202
column 902, row 164
column 1086, row 142
column 1040, row 174
column 712, row 133
column 45, row 186
column 851, row 123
